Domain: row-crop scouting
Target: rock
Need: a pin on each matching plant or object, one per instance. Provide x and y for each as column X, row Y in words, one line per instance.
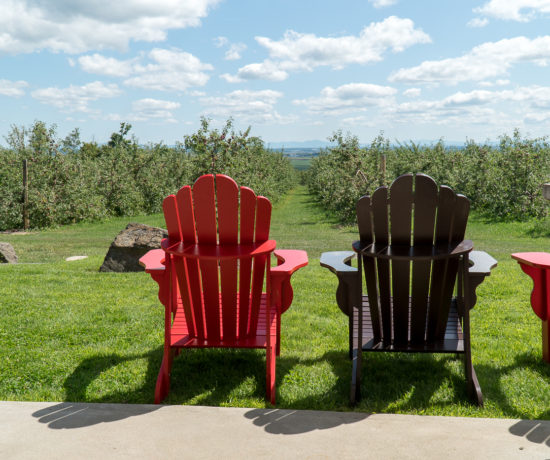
column 129, row 245
column 7, row 254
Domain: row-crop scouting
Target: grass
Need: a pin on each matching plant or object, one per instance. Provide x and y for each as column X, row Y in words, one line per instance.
column 70, row 333
column 300, row 163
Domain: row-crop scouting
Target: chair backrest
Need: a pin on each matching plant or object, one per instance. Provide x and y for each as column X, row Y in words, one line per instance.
column 414, row 213
column 215, row 211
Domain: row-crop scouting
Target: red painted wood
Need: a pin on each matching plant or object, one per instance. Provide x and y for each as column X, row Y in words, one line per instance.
column 263, row 219
column 539, row 296
column 248, row 219
column 186, row 214
column 169, row 206
column 190, row 283
column 217, row 252
column 227, row 194
column 213, row 230
column 533, row 259
column 204, row 200
column 537, row 266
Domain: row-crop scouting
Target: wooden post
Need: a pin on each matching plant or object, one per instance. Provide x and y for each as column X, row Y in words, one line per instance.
column 383, row 170
column 25, row 196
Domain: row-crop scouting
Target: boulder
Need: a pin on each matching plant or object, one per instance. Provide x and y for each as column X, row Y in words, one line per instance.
column 7, row 254
column 129, row 245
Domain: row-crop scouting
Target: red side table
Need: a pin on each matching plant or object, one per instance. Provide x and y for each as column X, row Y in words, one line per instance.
column 537, row 266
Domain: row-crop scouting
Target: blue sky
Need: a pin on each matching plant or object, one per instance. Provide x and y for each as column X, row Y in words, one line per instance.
column 294, row 70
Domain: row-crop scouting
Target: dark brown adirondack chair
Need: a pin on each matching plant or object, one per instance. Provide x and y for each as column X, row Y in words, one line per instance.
column 211, row 272
column 412, row 227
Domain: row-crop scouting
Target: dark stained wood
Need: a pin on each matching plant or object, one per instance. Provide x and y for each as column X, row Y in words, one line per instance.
column 419, row 230
column 440, row 275
column 379, row 205
column 425, row 207
column 401, row 204
column 452, row 341
column 364, row 223
column 364, row 219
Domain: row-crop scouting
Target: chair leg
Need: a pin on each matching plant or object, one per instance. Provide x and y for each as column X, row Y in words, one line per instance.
column 271, row 358
column 162, row 387
column 356, row 364
column 474, row 390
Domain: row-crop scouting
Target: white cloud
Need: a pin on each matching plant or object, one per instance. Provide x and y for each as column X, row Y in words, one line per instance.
column 488, row 60
column 220, row 41
column 348, row 98
column 266, row 70
column 234, row 51
column 246, row 105
column 382, row 3
column 76, row 98
column 170, row 70
column 165, row 70
column 12, row 88
column 298, row 51
column 76, row 26
column 98, row 64
column 512, row 9
column 361, row 121
column 412, row 92
column 478, row 22
column 504, row 109
column 146, row 109
column 500, row 82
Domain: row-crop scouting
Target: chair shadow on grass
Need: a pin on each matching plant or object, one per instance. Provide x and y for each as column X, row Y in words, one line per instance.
column 536, row 431
column 387, row 381
column 212, row 377
column 80, row 411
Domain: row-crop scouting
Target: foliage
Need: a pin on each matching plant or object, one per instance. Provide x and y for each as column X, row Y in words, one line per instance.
column 502, row 182
column 341, row 174
column 72, row 181
column 240, row 156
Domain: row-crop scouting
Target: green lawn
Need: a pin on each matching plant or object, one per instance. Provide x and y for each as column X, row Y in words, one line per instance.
column 300, row 163
column 70, row 333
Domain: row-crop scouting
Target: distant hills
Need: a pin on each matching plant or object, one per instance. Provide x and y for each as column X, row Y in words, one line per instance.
column 314, row 144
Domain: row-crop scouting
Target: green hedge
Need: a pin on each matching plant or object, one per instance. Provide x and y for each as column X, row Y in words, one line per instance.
column 503, row 182
column 71, row 181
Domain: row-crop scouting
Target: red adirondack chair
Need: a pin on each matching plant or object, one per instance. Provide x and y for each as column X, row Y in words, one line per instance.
column 211, row 271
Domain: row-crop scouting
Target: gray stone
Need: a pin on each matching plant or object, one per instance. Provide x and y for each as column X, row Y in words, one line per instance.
column 129, row 245
column 7, row 254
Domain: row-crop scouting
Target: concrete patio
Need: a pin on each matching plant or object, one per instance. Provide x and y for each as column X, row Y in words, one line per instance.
column 30, row 430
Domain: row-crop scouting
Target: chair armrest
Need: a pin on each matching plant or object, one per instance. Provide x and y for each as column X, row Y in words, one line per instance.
column 349, row 284
column 289, row 261
column 153, row 260
column 482, row 263
column 336, row 261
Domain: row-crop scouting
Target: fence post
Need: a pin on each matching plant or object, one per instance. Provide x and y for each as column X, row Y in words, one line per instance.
column 383, row 170
column 25, row 196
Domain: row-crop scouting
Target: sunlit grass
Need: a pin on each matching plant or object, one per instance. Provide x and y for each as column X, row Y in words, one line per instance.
column 70, row 333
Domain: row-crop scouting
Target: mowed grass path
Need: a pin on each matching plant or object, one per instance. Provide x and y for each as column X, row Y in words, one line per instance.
column 70, row 333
